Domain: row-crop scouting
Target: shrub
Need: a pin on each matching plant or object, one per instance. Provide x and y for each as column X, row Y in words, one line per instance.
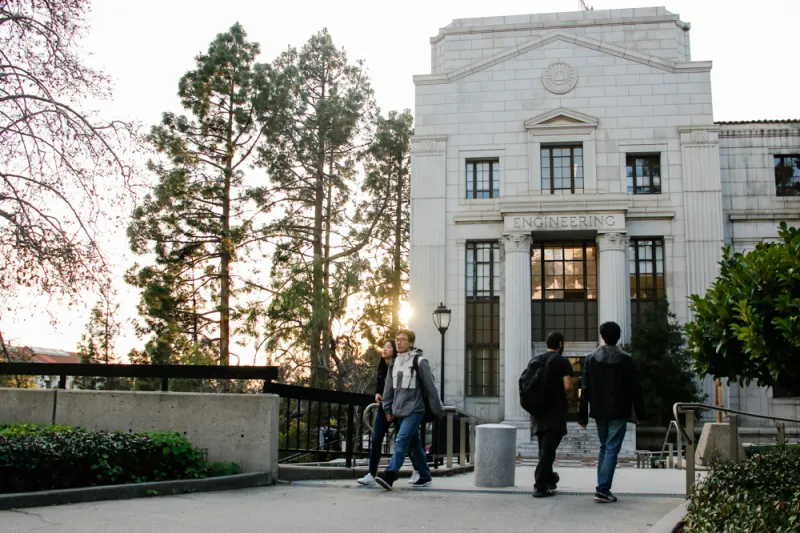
column 35, row 457
column 760, row 494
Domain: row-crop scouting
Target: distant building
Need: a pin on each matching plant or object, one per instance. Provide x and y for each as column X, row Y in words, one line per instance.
column 35, row 354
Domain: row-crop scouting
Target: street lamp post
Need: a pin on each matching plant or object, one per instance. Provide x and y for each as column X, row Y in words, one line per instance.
column 441, row 318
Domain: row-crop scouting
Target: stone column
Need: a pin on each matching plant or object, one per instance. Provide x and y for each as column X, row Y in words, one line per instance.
column 613, row 282
column 517, row 316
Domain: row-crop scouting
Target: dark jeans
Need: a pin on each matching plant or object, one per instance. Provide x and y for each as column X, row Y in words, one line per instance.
column 548, row 444
column 379, row 431
column 611, row 434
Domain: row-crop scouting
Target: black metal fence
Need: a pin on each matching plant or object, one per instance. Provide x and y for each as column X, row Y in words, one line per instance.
column 163, row 372
column 315, row 425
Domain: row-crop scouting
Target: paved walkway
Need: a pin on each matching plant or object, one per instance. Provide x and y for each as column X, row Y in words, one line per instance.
column 451, row 505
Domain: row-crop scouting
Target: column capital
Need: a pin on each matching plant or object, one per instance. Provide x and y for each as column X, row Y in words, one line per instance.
column 612, row 241
column 517, row 243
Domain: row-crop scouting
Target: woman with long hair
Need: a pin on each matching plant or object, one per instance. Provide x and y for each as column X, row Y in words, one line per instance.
column 381, row 427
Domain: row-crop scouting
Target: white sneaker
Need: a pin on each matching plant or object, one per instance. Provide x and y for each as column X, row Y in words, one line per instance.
column 414, row 478
column 366, row 480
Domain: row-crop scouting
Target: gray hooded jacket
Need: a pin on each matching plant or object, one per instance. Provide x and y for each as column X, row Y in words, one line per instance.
column 402, row 395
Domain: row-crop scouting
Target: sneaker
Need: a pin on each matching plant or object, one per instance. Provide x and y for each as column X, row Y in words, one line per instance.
column 386, row 480
column 367, row 480
column 419, row 483
column 414, row 478
column 604, row 497
column 542, row 493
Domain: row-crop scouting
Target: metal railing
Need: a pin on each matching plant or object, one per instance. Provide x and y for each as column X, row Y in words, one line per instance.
column 688, row 433
column 162, row 372
column 466, row 435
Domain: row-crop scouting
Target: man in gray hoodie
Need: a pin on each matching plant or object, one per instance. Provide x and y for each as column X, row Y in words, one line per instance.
column 407, row 387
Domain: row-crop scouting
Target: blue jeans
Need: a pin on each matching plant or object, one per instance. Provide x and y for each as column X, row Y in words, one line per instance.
column 408, row 439
column 611, row 434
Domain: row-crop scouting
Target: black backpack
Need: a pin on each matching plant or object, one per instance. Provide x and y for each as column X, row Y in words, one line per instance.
column 533, row 385
column 429, row 415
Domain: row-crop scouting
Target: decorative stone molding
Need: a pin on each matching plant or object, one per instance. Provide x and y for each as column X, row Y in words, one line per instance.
column 517, row 243
column 559, row 78
column 699, row 134
column 612, row 241
column 428, row 145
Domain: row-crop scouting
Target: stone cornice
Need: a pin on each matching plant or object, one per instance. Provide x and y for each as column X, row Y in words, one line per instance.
column 561, row 24
column 540, row 122
column 561, row 35
column 573, row 203
column 771, row 216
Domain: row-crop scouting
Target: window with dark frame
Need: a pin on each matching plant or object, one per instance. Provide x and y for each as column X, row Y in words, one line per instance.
column 483, row 178
column 483, row 319
column 646, row 267
column 564, row 290
column 787, row 175
column 643, row 173
column 562, row 168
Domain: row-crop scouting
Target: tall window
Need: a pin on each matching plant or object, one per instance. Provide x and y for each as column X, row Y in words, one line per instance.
column 562, row 168
column 787, row 175
column 646, row 263
column 564, row 290
column 644, row 174
column 483, row 319
column 483, row 179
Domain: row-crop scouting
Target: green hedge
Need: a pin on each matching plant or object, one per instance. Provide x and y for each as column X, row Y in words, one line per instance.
column 759, row 494
column 35, row 457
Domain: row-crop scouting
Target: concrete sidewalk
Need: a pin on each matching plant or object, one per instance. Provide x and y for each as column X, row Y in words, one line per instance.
column 302, row 509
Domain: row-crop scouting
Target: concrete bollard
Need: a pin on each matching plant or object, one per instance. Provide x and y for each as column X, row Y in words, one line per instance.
column 494, row 455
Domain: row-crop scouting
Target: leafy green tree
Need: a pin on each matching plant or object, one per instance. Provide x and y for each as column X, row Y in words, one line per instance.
column 747, row 326
column 662, row 363
column 388, row 175
column 311, row 160
column 200, row 218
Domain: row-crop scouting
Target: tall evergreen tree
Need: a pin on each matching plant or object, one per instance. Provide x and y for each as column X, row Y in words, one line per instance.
column 98, row 342
column 388, row 174
column 312, row 162
column 200, row 218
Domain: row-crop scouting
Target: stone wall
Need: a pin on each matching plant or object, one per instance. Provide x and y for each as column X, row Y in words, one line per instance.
column 241, row 428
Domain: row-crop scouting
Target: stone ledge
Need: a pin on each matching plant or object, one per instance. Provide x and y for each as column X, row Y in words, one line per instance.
column 133, row 490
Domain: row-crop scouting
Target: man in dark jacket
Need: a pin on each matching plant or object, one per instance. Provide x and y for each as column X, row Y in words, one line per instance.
column 610, row 388
column 550, row 425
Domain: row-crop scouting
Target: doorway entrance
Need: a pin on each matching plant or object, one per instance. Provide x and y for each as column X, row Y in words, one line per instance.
column 564, row 290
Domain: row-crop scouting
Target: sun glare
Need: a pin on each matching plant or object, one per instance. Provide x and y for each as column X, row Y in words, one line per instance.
column 405, row 312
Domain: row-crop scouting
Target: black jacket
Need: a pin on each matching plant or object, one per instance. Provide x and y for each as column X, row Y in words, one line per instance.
column 610, row 387
column 383, row 368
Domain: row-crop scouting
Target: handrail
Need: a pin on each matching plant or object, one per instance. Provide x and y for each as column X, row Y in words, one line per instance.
column 367, row 416
column 680, row 406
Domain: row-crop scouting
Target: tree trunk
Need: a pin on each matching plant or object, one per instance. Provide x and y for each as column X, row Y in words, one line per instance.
column 225, row 246
column 397, row 259
column 318, row 368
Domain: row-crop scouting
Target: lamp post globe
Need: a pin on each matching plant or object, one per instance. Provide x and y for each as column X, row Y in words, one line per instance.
column 441, row 319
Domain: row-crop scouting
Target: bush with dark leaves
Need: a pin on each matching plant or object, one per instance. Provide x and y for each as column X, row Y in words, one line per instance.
column 35, row 457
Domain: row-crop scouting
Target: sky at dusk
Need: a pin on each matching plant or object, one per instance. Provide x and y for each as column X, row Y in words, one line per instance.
column 147, row 45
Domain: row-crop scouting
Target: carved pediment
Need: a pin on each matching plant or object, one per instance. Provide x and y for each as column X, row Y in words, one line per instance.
column 561, row 118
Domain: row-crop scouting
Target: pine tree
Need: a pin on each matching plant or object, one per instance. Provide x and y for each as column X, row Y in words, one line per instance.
column 388, row 174
column 200, row 219
column 312, row 162
column 98, row 343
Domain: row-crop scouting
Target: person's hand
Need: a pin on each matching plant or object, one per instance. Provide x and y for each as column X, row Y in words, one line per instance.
column 638, row 422
column 378, row 397
column 583, row 426
column 389, row 418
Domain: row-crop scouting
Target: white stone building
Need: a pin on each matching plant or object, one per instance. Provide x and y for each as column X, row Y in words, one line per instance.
column 567, row 170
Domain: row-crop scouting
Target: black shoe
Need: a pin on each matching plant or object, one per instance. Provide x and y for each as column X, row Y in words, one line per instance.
column 543, row 493
column 604, row 497
column 386, row 480
column 421, row 483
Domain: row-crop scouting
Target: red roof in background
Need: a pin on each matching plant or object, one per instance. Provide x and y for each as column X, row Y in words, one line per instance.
column 44, row 358
column 42, row 355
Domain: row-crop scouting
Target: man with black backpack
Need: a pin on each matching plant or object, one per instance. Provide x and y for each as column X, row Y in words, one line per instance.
column 410, row 395
column 542, row 389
